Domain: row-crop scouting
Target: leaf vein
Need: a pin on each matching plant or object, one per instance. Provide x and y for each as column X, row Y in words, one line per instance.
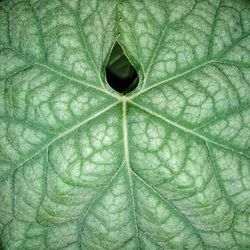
column 187, row 130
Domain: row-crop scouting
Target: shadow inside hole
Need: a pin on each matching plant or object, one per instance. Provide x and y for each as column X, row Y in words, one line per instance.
column 120, row 74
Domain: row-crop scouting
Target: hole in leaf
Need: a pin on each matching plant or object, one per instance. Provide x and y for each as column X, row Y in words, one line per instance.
column 120, row 74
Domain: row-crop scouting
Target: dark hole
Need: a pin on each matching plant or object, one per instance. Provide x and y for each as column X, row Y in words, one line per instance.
column 120, row 74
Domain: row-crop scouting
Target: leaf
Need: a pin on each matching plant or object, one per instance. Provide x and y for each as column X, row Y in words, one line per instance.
column 165, row 166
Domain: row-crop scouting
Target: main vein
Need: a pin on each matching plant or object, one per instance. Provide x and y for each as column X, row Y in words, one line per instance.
column 127, row 162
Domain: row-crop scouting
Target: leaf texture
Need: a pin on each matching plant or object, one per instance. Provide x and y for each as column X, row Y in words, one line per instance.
column 163, row 167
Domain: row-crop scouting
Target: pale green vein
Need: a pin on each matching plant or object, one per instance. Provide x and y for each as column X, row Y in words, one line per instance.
column 61, row 135
column 95, row 199
column 187, row 130
column 83, row 40
column 99, row 193
column 170, row 205
column 62, row 74
column 218, row 177
column 154, row 55
column 78, row 81
column 217, row 59
column 172, row 78
column 127, row 162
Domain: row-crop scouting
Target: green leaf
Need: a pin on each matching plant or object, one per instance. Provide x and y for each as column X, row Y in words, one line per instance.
column 165, row 166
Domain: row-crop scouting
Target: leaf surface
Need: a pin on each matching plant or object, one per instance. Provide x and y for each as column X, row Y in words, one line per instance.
column 163, row 167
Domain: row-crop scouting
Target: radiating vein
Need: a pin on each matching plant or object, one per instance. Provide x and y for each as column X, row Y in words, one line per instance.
column 76, row 80
column 190, row 131
column 99, row 193
column 61, row 135
column 154, row 55
column 171, row 206
column 127, row 162
column 172, row 78
column 61, row 74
